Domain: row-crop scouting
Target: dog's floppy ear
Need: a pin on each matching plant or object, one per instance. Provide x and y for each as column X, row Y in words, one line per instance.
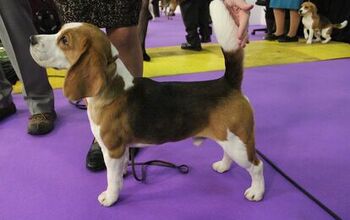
column 86, row 76
column 314, row 8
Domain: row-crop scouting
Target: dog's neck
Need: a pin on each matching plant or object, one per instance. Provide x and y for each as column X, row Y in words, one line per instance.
column 308, row 14
column 121, row 70
column 118, row 80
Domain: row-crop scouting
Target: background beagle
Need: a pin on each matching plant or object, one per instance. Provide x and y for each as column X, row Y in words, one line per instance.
column 124, row 110
column 317, row 25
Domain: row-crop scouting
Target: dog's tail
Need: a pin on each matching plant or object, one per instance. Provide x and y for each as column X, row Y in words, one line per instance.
column 226, row 33
column 341, row 25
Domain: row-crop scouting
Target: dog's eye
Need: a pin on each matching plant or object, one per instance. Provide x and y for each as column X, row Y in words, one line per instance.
column 64, row 39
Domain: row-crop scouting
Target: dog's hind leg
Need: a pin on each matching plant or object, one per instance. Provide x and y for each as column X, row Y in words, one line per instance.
column 115, row 169
column 125, row 165
column 238, row 152
column 318, row 36
column 223, row 165
column 326, row 34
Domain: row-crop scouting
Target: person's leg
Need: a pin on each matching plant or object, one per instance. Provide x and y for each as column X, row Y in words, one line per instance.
column 204, row 28
column 5, row 90
column 294, row 23
column 279, row 20
column 155, row 4
column 189, row 12
column 142, row 27
column 15, row 28
column 269, row 18
column 126, row 40
column 7, row 107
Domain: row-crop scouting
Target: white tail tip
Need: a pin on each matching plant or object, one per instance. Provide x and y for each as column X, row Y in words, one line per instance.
column 224, row 26
column 343, row 24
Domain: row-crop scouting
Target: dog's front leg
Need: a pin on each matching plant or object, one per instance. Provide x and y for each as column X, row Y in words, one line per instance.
column 311, row 35
column 115, row 169
column 306, row 34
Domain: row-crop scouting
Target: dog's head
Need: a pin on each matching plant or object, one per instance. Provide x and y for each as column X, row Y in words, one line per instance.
column 308, row 8
column 81, row 48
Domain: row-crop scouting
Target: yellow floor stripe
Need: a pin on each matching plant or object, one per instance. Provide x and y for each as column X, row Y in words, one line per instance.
column 172, row 60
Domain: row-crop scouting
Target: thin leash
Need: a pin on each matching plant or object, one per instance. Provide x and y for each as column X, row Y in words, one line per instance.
column 299, row 187
column 183, row 169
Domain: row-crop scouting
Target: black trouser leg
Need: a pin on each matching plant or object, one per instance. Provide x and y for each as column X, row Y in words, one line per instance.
column 204, row 29
column 142, row 27
column 269, row 18
column 189, row 12
column 155, row 4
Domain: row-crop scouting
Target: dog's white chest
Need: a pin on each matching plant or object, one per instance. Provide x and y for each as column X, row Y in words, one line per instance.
column 95, row 129
column 307, row 22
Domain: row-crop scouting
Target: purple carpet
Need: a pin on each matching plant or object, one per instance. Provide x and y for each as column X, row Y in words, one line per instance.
column 302, row 124
column 45, row 178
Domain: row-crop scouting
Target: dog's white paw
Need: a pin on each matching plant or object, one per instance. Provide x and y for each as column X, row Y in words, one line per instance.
column 309, row 42
column 220, row 166
column 254, row 193
column 197, row 141
column 107, row 199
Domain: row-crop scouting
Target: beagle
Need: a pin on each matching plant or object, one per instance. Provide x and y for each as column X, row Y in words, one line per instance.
column 169, row 7
column 317, row 25
column 124, row 110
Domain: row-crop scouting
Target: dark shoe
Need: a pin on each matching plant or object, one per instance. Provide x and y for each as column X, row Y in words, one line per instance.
column 94, row 158
column 188, row 46
column 7, row 111
column 261, row 2
column 287, row 39
column 146, row 57
column 272, row 37
column 42, row 123
column 205, row 39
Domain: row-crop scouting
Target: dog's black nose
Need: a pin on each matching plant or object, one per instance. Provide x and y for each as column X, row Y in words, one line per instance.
column 300, row 11
column 33, row 40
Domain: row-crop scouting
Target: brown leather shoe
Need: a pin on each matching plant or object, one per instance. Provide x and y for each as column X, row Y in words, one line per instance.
column 42, row 123
column 7, row 111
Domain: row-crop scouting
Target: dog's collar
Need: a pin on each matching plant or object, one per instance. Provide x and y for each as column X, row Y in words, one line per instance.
column 113, row 59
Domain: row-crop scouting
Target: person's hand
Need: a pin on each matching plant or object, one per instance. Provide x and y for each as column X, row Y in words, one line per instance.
column 240, row 11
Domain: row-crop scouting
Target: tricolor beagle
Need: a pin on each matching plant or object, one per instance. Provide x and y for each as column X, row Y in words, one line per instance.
column 169, row 7
column 124, row 110
column 317, row 25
